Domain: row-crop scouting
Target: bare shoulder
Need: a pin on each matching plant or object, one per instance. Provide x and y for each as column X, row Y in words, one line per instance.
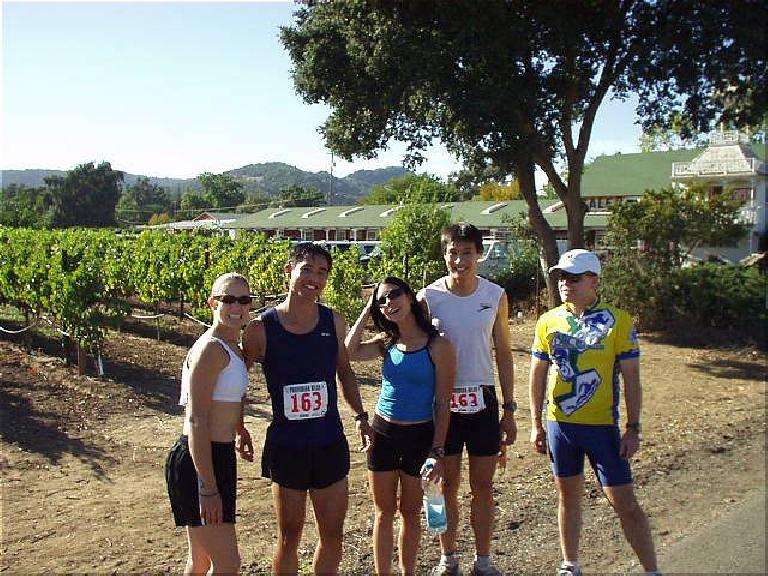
column 442, row 347
column 208, row 352
column 254, row 341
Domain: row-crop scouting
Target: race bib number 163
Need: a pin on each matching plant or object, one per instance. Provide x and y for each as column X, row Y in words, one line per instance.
column 467, row 400
column 303, row 401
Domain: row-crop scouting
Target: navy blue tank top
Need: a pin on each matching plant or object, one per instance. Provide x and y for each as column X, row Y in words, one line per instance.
column 300, row 370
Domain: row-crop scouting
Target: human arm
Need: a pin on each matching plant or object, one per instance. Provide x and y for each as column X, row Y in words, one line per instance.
column 254, row 342
column 444, row 358
column 633, row 399
column 356, row 348
column 349, row 387
column 537, row 386
column 205, row 366
column 505, row 369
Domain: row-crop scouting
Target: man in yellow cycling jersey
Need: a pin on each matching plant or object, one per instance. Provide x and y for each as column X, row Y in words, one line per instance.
column 584, row 345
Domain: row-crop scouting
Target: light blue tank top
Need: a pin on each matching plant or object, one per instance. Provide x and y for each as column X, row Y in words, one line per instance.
column 407, row 385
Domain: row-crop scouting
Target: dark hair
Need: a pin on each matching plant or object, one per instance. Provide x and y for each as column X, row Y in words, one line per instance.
column 389, row 327
column 461, row 232
column 302, row 250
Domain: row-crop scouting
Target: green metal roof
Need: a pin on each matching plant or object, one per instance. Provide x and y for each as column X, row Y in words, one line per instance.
column 632, row 174
column 481, row 214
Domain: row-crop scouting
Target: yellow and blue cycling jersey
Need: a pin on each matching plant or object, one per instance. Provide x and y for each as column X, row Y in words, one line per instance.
column 584, row 354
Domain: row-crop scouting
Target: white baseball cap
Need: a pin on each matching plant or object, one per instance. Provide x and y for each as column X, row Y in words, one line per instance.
column 578, row 261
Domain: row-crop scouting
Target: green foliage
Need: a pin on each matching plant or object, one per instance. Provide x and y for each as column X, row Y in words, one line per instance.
column 519, row 276
column 22, row 207
column 86, row 196
column 650, row 240
column 668, row 224
column 345, row 283
column 139, row 202
column 412, row 189
column 221, row 190
column 192, row 203
column 410, row 245
column 512, row 85
column 298, row 196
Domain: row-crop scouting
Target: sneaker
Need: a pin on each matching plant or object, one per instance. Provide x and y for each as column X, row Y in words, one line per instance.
column 488, row 570
column 444, row 569
column 569, row 570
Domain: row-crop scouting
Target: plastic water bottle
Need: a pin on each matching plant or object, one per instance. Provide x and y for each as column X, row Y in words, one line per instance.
column 434, row 503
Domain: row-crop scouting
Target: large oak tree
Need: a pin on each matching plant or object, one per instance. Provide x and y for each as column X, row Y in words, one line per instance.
column 515, row 84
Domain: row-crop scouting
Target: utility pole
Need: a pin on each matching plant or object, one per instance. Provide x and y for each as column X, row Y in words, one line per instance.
column 329, row 200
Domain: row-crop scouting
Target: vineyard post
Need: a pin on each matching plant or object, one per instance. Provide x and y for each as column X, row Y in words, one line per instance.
column 27, row 339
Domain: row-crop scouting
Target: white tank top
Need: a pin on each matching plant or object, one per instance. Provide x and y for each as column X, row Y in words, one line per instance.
column 467, row 322
column 232, row 382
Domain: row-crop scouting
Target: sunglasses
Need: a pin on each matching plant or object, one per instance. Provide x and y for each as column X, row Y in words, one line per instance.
column 230, row 299
column 391, row 295
column 568, row 277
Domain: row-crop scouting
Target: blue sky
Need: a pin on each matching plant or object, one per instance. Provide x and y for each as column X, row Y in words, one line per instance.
column 177, row 89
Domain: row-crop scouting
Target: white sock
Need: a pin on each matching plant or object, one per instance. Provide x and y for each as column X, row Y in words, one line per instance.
column 574, row 563
column 449, row 558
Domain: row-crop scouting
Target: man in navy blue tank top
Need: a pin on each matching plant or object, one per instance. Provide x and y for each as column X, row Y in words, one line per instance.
column 300, row 345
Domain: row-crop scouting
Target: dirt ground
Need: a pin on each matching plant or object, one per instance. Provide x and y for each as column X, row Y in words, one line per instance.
column 82, row 461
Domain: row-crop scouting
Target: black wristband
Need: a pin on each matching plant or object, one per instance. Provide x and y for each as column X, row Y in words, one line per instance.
column 362, row 416
column 511, row 406
column 634, row 426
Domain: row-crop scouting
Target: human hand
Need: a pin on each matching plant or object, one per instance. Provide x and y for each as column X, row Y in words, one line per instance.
column 508, row 428
column 365, row 431
column 630, row 444
column 432, row 470
column 211, row 508
column 244, row 444
column 539, row 439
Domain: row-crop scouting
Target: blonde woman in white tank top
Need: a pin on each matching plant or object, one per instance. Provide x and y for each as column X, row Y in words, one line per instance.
column 201, row 470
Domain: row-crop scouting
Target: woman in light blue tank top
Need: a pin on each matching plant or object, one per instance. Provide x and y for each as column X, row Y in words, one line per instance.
column 412, row 413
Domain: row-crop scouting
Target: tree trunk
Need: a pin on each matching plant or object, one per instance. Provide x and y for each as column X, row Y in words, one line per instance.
column 575, row 209
column 545, row 236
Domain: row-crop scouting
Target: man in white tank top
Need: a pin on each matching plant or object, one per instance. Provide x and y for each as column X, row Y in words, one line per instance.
column 472, row 313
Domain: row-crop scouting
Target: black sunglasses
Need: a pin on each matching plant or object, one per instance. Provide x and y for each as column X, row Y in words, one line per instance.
column 567, row 276
column 230, row 299
column 391, row 295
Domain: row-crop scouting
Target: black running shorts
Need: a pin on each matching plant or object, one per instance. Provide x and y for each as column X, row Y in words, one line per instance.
column 181, row 478
column 479, row 432
column 399, row 446
column 305, row 468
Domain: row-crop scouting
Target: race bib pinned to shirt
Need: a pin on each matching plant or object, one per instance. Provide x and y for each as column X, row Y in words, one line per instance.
column 467, row 399
column 304, row 401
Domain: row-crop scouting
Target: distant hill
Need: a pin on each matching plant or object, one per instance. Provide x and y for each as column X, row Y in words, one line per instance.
column 266, row 179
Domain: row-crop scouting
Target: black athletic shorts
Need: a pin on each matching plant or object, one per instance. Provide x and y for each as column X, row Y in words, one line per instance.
column 181, row 478
column 399, row 446
column 479, row 431
column 305, row 468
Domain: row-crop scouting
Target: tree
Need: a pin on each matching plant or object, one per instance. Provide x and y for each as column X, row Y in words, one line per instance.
column 513, row 85
column 221, row 191
column 298, row 196
column 412, row 188
column 498, row 191
column 22, row 207
column 142, row 200
column 86, row 196
column 651, row 239
column 191, row 203
column 410, row 244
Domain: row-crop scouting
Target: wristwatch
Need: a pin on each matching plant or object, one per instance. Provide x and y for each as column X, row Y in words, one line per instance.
column 362, row 416
column 511, row 406
column 437, row 452
column 634, row 426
